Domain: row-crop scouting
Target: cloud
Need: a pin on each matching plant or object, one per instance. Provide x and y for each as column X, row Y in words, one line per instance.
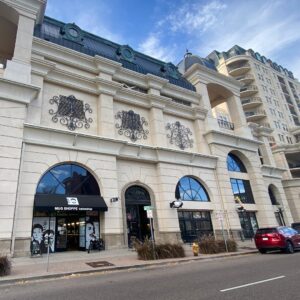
column 152, row 47
column 191, row 17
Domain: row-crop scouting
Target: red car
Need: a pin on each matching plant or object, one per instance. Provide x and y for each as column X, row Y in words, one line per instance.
column 277, row 238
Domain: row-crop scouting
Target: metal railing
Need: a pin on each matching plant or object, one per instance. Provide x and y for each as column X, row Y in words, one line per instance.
column 225, row 124
column 254, row 113
column 243, row 77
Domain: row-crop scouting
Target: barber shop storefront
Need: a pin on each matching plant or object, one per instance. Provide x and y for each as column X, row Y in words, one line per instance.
column 67, row 211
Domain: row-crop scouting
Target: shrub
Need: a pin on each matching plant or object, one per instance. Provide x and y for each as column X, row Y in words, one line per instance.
column 145, row 250
column 5, row 265
column 210, row 245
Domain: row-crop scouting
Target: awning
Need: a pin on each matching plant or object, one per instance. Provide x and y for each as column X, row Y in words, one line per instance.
column 69, row 203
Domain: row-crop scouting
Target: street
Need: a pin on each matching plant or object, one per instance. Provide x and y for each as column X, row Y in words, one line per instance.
column 270, row 276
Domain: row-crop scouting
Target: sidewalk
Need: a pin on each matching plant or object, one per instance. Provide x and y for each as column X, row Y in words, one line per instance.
column 71, row 263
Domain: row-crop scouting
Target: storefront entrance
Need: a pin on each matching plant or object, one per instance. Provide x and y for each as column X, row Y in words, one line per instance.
column 138, row 225
column 67, row 210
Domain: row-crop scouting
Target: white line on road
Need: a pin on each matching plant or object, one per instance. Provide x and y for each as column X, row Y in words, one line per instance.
column 253, row 283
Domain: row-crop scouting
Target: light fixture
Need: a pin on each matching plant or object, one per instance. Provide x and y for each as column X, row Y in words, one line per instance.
column 114, row 199
column 176, row 203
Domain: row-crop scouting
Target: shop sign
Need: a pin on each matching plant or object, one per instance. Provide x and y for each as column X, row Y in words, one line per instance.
column 72, row 208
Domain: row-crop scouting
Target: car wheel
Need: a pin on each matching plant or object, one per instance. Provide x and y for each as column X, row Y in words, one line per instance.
column 289, row 247
column 262, row 251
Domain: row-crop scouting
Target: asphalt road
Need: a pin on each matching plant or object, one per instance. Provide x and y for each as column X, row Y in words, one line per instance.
column 269, row 276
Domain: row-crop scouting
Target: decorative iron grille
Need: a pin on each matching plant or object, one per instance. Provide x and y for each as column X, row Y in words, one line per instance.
column 180, row 135
column 70, row 112
column 132, row 125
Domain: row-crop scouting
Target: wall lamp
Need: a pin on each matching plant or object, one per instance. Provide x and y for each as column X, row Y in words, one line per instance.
column 176, row 204
column 114, row 199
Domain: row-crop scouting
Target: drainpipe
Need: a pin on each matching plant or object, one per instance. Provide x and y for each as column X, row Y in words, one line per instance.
column 13, row 234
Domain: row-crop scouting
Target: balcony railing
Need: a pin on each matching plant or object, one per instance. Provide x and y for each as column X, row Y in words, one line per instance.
column 255, row 113
column 246, row 78
column 225, row 124
column 249, row 88
column 251, row 100
column 265, row 125
column 239, row 66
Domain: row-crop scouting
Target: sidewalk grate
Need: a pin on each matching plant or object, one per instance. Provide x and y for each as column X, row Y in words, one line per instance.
column 99, row 264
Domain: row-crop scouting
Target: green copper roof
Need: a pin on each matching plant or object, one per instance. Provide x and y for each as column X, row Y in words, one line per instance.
column 72, row 37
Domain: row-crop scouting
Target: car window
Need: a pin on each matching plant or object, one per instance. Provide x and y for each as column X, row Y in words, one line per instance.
column 266, row 230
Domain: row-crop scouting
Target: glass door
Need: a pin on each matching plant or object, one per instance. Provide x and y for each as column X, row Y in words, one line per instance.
column 61, row 234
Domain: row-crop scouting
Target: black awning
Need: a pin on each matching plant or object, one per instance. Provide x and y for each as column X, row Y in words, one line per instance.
column 69, row 203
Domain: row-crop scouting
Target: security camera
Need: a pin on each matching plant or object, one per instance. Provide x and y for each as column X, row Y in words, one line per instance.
column 176, row 204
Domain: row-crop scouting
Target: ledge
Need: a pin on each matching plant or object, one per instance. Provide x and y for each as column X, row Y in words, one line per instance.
column 270, row 171
column 49, row 137
column 231, row 140
column 17, row 92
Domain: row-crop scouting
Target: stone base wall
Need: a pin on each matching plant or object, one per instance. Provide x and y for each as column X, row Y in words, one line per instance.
column 113, row 241
column 22, row 247
column 5, row 246
column 168, row 237
column 231, row 234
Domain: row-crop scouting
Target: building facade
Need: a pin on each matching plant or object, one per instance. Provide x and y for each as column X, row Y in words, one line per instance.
column 270, row 98
column 91, row 132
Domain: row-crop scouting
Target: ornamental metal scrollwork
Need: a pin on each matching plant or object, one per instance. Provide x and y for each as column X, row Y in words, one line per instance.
column 71, row 112
column 132, row 125
column 179, row 135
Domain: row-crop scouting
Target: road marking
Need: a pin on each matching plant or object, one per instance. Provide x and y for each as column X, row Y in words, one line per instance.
column 253, row 283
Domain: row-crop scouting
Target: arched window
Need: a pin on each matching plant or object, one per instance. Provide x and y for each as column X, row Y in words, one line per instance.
column 235, row 164
column 137, row 195
column 272, row 196
column 68, row 179
column 189, row 189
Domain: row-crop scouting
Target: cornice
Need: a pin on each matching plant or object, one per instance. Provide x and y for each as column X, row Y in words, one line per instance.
column 55, row 138
column 106, row 66
column 231, row 140
column 205, row 75
column 286, row 148
column 273, row 172
column 155, row 82
column 293, row 182
column 17, row 92
column 39, row 66
column 107, row 87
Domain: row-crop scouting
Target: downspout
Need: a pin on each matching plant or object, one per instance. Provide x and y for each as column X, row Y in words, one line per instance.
column 13, row 235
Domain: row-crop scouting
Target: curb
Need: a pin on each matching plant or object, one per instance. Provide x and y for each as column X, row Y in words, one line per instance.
column 16, row 281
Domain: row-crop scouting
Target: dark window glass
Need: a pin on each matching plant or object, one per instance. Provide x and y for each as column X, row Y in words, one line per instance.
column 272, row 196
column 68, row 179
column 235, row 164
column 189, row 189
column 266, row 230
column 137, row 195
column 194, row 225
column 241, row 190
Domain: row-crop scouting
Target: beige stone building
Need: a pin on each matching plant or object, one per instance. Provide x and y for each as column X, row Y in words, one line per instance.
column 270, row 98
column 91, row 132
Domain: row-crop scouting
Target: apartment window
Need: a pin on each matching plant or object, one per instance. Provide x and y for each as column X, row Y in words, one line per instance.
column 284, row 127
column 273, row 111
column 281, row 137
column 289, row 140
column 280, row 114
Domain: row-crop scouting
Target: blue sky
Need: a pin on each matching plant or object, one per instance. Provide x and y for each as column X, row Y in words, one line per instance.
column 166, row 28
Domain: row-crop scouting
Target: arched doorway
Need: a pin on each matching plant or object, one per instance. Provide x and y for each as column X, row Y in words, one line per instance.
column 66, row 210
column 276, row 205
column 138, row 225
column 242, row 194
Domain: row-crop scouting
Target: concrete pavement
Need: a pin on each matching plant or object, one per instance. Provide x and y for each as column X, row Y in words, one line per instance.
column 77, row 262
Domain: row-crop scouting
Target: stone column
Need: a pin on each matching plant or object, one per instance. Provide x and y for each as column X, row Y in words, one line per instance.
column 19, row 69
column 238, row 117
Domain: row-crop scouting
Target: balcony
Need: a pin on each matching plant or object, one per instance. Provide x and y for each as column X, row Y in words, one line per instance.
column 238, row 69
column 245, row 79
column 255, row 115
column 251, row 102
column 248, row 90
column 225, row 124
